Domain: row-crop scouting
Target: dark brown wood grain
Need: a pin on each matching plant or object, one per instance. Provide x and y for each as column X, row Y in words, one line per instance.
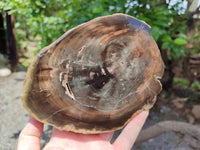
column 95, row 77
column 12, row 46
column 3, row 44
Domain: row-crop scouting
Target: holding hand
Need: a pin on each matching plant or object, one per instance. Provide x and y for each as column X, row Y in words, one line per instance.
column 29, row 138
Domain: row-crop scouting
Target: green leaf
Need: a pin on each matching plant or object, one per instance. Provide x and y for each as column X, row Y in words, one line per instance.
column 96, row 10
column 182, row 36
column 180, row 41
column 181, row 81
column 2, row 5
column 165, row 45
column 166, row 38
column 155, row 33
column 7, row 7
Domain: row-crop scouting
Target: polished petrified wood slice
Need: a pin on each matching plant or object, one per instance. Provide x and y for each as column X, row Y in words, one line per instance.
column 95, row 77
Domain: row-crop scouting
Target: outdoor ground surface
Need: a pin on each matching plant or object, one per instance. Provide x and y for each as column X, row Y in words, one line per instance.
column 13, row 118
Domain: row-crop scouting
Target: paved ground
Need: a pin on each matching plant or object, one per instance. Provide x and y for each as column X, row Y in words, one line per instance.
column 12, row 114
column 13, row 117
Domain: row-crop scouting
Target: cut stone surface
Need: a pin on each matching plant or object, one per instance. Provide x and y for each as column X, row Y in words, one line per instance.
column 108, row 68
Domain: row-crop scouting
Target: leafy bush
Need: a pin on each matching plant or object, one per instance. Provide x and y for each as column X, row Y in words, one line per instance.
column 50, row 19
column 196, row 86
column 181, row 81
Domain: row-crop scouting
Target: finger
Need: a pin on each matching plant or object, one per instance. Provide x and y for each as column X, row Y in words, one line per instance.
column 29, row 138
column 129, row 134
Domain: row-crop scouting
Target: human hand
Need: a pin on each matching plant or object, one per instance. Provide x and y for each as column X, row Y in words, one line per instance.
column 29, row 138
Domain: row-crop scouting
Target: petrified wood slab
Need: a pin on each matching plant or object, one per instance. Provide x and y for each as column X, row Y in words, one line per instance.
column 96, row 76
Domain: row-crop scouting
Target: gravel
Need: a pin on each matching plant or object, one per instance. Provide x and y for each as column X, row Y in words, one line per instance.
column 12, row 114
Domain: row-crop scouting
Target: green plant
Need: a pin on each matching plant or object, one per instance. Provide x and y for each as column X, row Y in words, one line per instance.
column 181, row 81
column 48, row 20
column 196, row 86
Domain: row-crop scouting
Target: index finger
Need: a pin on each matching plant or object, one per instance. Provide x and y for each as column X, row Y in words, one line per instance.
column 29, row 138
